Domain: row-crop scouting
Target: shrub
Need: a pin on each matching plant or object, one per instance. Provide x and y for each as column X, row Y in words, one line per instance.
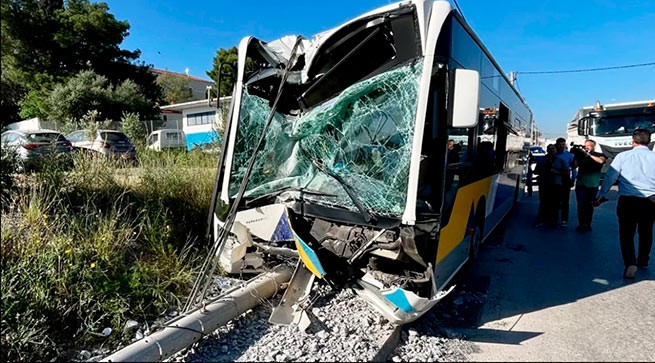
column 8, row 167
column 134, row 128
column 84, row 250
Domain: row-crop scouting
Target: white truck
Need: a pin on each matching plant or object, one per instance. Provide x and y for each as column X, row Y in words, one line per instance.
column 167, row 139
column 33, row 124
column 611, row 126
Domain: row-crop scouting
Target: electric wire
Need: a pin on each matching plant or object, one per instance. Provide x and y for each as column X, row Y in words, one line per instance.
column 570, row 70
column 203, row 281
column 589, row 69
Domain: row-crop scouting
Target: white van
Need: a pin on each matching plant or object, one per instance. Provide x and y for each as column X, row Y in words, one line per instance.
column 166, row 139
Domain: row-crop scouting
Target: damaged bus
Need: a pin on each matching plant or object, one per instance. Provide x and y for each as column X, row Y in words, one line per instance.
column 335, row 156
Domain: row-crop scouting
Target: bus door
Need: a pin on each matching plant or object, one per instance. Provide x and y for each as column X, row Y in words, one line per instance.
column 504, row 180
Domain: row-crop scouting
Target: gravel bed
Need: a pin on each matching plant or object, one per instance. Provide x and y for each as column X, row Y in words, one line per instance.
column 344, row 328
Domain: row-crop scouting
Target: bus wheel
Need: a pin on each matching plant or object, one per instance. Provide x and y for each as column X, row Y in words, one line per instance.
column 474, row 243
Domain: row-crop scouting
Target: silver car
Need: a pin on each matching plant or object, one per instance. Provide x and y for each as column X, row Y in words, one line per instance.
column 106, row 142
column 33, row 146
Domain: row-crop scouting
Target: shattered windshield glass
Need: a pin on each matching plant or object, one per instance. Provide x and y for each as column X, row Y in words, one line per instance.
column 364, row 135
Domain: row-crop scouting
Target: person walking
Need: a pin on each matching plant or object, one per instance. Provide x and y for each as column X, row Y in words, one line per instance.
column 635, row 171
column 589, row 164
column 568, row 179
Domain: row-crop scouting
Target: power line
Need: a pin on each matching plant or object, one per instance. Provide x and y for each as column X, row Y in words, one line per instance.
column 590, row 69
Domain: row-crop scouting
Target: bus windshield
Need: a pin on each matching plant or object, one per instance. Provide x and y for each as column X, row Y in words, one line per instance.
column 363, row 135
column 622, row 125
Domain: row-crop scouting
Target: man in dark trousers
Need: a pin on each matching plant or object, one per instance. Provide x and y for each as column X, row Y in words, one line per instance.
column 589, row 163
column 635, row 171
column 567, row 181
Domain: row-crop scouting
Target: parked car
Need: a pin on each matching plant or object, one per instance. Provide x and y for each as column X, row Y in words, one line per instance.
column 110, row 143
column 166, row 139
column 33, row 146
column 535, row 154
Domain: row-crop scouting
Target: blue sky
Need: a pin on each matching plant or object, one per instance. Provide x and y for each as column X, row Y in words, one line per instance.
column 523, row 36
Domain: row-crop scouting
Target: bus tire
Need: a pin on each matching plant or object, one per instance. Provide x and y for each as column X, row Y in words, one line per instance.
column 474, row 243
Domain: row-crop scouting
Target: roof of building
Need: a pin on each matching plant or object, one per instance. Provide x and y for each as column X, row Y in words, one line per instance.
column 161, row 71
column 192, row 104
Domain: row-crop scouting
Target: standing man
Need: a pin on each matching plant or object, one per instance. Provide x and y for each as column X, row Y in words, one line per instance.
column 589, row 164
column 568, row 179
column 549, row 171
column 635, row 171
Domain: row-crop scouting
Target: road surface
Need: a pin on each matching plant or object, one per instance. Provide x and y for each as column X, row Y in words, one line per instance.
column 552, row 294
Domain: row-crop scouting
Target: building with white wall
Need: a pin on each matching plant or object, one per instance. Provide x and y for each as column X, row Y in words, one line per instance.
column 200, row 120
column 197, row 87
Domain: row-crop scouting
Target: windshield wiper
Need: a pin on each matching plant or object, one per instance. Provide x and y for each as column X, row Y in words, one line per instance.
column 349, row 190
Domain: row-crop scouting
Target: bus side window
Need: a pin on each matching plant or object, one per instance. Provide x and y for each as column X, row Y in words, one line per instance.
column 486, row 157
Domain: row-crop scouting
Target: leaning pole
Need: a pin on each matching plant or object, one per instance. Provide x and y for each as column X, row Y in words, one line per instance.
column 189, row 328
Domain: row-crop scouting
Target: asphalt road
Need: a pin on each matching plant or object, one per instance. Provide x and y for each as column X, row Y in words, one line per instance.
column 552, row 294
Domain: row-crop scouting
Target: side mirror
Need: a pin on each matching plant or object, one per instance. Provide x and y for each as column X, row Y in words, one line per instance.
column 465, row 96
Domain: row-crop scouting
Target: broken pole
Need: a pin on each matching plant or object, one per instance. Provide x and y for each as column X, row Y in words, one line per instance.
column 182, row 332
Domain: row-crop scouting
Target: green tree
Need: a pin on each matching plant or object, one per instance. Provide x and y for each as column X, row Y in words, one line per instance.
column 69, row 102
column 29, row 47
column 228, row 56
column 11, row 94
column 175, row 89
column 46, row 42
column 130, row 97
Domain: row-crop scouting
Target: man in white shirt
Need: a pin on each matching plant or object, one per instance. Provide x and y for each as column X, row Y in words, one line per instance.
column 635, row 171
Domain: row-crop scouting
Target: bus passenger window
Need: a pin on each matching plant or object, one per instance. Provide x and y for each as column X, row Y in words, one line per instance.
column 484, row 161
column 486, row 155
column 453, row 151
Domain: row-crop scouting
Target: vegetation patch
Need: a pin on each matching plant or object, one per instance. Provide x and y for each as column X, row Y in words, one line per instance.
column 84, row 250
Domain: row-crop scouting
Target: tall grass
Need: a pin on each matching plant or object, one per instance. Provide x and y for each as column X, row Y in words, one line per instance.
column 88, row 249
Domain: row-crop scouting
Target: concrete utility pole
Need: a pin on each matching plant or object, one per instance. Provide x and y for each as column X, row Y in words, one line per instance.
column 191, row 327
column 512, row 78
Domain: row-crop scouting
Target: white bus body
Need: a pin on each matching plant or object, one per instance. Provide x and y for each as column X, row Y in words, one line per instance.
column 336, row 148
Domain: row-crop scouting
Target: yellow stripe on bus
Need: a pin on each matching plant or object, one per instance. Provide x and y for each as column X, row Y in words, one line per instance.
column 307, row 260
column 455, row 231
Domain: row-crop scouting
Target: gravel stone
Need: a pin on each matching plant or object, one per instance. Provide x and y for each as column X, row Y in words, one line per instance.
column 344, row 328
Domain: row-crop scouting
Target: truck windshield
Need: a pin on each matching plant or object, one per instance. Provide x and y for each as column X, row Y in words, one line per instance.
column 622, row 125
column 363, row 135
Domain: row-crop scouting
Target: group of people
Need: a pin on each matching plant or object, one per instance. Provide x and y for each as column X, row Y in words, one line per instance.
column 633, row 170
column 556, row 175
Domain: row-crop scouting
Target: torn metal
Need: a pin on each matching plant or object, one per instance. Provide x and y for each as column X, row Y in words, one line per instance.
column 329, row 182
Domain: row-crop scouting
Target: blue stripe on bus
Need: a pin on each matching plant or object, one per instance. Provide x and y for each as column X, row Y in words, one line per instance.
column 399, row 299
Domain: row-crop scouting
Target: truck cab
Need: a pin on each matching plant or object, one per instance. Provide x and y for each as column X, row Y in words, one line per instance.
column 611, row 126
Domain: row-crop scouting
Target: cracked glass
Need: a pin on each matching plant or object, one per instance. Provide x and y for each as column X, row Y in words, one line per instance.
column 363, row 137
